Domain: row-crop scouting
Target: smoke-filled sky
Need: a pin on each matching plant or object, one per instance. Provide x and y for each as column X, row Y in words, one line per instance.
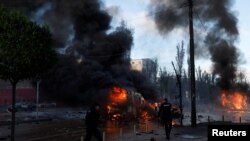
column 91, row 31
column 93, row 56
column 149, row 42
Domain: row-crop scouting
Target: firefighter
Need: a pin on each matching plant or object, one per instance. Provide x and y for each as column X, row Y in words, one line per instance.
column 92, row 121
column 165, row 114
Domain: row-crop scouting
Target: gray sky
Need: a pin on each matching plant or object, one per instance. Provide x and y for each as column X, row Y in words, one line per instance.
column 148, row 43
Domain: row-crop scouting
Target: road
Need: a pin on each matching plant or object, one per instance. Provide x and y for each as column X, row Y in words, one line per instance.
column 73, row 130
column 47, row 130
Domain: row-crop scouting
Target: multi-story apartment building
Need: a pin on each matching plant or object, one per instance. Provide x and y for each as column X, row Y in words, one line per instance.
column 147, row 66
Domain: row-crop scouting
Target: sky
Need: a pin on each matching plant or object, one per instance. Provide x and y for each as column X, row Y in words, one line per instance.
column 148, row 43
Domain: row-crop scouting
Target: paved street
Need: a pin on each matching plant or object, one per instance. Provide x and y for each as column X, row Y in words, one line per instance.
column 70, row 130
column 185, row 133
column 74, row 130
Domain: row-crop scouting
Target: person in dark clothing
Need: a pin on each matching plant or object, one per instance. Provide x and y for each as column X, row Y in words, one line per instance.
column 165, row 114
column 92, row 121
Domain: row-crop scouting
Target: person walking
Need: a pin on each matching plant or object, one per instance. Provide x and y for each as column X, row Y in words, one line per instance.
column 165, row 114
column 92, row 121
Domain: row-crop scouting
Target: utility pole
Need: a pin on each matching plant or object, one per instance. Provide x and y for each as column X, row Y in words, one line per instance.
column 192, row 65
column 37, row 96
column 178, row 76
column 14, row 110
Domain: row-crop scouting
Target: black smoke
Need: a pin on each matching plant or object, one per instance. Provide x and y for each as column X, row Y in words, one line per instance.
column 25, row 6
column 92, row 57
column 219, row 38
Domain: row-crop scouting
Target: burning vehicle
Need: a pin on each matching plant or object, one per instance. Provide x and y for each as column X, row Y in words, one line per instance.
column 234, row 100
column 176, row 112
column 127, row 105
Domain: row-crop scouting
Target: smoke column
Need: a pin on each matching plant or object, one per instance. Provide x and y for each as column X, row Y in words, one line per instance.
column 91, row 60
column 221, row 29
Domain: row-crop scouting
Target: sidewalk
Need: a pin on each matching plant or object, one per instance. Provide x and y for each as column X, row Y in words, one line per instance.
column 185, row 133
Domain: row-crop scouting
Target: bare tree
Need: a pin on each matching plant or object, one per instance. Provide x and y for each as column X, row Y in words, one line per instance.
column 163, row 81
column 180, row 57
column 150, row 68
column 179, row 60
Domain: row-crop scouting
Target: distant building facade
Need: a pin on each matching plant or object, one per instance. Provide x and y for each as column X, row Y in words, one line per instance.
column 147, row 66
column 24, row 93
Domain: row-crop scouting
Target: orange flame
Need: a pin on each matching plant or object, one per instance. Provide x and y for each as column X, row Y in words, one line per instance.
column 234, row 101
column 153, row 105
column 118, row 94
column 108, row 109
column 145, row 115
column 174, row 123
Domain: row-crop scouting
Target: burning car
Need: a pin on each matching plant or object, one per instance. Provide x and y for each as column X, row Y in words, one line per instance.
column 124, row 105
column 176, row 113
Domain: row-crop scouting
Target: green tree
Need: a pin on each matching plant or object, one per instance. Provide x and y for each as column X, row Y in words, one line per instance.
column 25, row 51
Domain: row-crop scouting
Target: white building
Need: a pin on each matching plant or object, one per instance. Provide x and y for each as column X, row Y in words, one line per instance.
column 146, row 66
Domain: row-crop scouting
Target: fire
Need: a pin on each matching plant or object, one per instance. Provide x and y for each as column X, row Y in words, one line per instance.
column 118, row 94
column 153, row 105
column 145, row 115
column 235, row 100
column 174, row 123
column 108, row 109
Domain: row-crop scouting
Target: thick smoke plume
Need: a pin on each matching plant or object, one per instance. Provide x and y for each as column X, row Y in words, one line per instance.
column 221, row 29
column 92, row 59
